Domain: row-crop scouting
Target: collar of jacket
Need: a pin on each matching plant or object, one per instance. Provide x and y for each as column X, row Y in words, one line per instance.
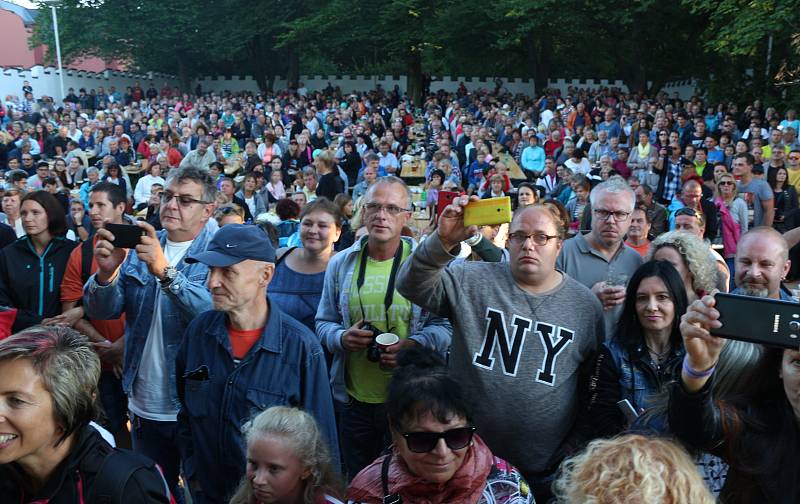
column 271, row 338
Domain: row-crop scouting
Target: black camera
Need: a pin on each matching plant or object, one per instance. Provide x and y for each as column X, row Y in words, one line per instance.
column 373, row 352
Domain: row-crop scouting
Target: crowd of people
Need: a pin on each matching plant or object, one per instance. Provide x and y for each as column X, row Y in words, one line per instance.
column 304, row 317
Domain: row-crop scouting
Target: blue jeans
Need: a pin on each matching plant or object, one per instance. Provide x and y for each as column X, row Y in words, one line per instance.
column 363, row 434
column 114, row 401
column 157, row 441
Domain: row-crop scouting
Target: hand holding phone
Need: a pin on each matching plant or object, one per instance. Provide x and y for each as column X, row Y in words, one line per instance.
column 451, row 229
column 125, row 235
column 488, row 212
column 758, row 320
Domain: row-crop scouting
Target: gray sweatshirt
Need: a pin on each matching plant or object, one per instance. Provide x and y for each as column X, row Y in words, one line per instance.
column 518, row 354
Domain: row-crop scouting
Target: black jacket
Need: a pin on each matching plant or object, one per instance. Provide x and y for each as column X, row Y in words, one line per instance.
column 762, row 451
column 30, row 283
column 79, row 471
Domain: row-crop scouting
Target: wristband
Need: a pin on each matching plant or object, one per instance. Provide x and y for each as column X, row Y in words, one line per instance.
column 693, row 372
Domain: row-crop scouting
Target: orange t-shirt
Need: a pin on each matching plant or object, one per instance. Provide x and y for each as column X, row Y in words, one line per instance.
column 642, row 249
column 242, row 341
column 72, row 290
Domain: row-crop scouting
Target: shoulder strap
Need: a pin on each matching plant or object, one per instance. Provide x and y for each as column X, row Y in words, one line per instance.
column 283, row 255
column 110, row 480
column 393, row 498
column 87, row 254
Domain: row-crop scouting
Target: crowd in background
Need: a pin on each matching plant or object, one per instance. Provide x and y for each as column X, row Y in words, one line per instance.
column 304, row 316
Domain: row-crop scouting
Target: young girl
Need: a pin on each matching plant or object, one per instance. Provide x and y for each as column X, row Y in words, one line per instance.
column 433, row 187
column 275, row 188
column 287, row 461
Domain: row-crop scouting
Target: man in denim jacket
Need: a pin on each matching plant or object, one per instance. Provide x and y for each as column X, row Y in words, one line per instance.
column 358, row 290
column 159, row 293
column 240, row 359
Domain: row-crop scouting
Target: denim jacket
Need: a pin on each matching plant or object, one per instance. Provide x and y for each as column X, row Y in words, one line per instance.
column 638, row 379
column 285, row 367
column 133, row 292
column 333, row 316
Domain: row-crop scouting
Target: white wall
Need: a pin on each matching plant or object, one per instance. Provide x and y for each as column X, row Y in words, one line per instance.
column 45, row 80
column 350, row 83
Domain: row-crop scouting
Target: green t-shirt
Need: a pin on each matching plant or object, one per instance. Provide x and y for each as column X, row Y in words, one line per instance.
column 365, row 380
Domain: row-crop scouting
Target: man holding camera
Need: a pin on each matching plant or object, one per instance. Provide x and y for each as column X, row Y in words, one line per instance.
column 359, row 302
column 159, row 293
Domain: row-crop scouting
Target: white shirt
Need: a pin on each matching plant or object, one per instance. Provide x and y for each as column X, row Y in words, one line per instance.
column 150, row 397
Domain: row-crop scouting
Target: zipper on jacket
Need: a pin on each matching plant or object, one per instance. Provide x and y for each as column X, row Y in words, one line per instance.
column 41, row 274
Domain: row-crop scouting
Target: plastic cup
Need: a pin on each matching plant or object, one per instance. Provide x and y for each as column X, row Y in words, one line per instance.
column 385, row 340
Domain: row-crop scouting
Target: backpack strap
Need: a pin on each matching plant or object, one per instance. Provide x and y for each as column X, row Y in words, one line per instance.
column 87, row 254
column 114, row 474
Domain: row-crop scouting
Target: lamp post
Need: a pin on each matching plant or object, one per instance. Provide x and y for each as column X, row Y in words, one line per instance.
column 53, row 4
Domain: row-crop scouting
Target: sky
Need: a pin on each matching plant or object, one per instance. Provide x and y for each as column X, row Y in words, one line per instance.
column 25, row 3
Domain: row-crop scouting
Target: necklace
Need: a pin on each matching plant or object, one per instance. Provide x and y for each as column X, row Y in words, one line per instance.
column 658, row 357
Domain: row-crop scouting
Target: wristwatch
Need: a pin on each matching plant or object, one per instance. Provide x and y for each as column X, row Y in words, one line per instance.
column 474, row 239
column 170, row 272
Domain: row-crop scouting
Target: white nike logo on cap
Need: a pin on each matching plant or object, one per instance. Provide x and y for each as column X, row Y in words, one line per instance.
column 228, row 245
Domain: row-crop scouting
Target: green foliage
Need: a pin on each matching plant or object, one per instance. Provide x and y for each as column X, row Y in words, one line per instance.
column 643, row 42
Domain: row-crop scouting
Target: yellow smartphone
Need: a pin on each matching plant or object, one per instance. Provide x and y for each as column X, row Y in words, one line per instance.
column 488, row 212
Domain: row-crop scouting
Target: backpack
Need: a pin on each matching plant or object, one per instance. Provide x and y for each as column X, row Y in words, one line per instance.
column 116, row 470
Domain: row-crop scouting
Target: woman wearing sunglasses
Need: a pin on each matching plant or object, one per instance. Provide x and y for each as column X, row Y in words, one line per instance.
column 435, row 456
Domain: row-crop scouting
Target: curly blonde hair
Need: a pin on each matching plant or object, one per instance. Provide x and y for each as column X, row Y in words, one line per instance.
column 634, row 469
column 695, row 254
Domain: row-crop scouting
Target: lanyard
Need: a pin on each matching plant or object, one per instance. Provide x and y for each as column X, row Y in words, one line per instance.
column 362, row 271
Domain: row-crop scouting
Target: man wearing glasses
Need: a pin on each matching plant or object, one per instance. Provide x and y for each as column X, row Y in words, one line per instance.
column 358, row 302
column 600, row 260
column 159, row 293
column 524, row 334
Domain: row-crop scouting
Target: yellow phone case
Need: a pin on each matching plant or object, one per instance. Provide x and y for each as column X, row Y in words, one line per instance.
column 488, row 212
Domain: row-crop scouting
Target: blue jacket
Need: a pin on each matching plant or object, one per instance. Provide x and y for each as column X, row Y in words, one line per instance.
column 333, row 316
column 133, row 292
column 620, row 374
column 533, row 158
column 285, row 367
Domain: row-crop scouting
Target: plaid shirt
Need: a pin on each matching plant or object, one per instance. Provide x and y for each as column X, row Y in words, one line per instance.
column 673, row 181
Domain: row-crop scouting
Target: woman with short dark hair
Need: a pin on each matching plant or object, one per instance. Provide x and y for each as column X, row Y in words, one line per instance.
column 32, row 267
column 435, row 457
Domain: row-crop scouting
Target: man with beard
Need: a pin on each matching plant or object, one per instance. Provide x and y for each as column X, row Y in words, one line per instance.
column 762, row 262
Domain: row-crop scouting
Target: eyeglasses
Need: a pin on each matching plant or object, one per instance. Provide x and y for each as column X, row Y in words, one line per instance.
column 726, row 182
column 373, row 207
column 619, row 215
column 183, row 200
column 228, row 210
column 519, row 238
column 455, row 439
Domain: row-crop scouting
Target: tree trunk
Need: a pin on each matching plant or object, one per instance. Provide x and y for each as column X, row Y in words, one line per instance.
column 539, row 52
column 293, row 70
column 414, row 74
column 183, row 76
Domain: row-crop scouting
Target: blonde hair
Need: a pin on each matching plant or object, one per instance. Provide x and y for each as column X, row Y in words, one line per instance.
column 300, row 432
column 695, row 254
column 735, row 192
column 632, row 469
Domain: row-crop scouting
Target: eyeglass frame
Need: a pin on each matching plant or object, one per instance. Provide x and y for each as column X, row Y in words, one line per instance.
column 373, row 207
column 513, row 237
column 440, row 435
column 599, row 212
column 184, row 201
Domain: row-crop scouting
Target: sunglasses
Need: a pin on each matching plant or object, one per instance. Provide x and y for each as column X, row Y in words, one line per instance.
column 455, row 439
column 726, row 182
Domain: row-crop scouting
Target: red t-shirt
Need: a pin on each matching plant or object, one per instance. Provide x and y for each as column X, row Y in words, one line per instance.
column 242, row 341
column 72, row 290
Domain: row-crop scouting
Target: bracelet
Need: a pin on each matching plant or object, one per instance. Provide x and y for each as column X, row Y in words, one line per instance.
column 694, row 373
